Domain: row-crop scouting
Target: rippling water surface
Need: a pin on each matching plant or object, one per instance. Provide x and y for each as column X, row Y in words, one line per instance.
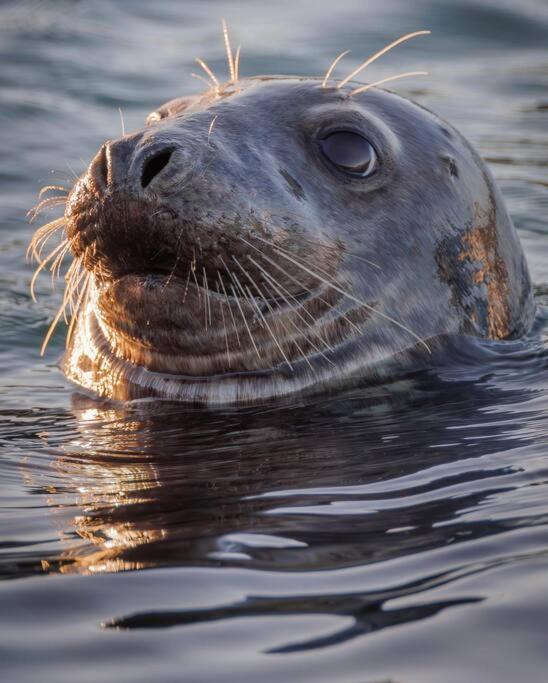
column 389, row 534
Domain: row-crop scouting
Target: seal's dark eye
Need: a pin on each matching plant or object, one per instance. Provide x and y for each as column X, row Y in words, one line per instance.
column 350, row 152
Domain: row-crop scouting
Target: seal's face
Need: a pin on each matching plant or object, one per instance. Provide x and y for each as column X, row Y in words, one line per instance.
column 280, row 234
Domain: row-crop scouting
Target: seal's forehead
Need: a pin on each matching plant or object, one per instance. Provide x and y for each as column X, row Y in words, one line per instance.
column 270, row 91
column 273, row 102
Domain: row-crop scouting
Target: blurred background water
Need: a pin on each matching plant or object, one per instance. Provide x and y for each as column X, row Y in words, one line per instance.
column 389, row 534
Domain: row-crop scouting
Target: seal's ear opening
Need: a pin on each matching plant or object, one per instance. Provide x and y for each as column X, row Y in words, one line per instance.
column 171, row 108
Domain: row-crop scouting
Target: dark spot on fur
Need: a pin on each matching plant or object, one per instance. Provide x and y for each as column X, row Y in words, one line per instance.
column 451, row 164
column 294, row 187
column 446, row 132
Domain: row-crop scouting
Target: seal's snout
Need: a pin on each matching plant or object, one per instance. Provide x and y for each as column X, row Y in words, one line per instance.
column 120, row 165
column 116, row 167
column 118, row 211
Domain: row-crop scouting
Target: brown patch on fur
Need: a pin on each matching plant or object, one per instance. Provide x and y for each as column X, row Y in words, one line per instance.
column 481, row 250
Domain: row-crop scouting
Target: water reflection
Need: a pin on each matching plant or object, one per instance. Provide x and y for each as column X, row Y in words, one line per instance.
column 372, row 475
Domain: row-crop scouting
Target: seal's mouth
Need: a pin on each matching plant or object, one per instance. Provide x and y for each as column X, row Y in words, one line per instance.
column 166, row 269
column 186, row 296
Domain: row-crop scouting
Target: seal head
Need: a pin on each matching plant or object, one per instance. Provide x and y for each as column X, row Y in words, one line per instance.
column 278, row 235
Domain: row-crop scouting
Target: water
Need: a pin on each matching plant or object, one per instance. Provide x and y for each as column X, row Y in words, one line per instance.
column 390, row 534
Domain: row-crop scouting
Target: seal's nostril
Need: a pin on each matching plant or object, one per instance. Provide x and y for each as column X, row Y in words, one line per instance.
column 103, row 165
column 98, row 169
column 154, row 166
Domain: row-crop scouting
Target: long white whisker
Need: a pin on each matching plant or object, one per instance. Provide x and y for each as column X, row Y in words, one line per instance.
column 45, row 204
column 242, row 313
column 49, row 188
column 299, row 283
column 122, row 122
column 186, row 285
column 347, row 294
column 380, row 53
column 274, row 338
column 41, row 236
column 229, row 55
column 237, row 63
column 204, row 80
column 229, row 309
column 210, row 73
column 245, row 320
column 365, row 88
column 210, row 129
column 42, row 265
column 299, row 333
column 221, row 304
column 278, row 288
column 332, row 67
column 246, row 294
column 79, row 300
column 207, row 307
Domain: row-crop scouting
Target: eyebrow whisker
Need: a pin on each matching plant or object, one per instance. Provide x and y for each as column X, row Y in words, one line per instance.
column 332, row 67
column 380, row 53
column 365, row 88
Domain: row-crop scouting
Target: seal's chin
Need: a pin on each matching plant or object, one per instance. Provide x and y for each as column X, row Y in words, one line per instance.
column 168, row 323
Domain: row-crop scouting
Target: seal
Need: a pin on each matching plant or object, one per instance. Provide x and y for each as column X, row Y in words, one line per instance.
column 278, row 234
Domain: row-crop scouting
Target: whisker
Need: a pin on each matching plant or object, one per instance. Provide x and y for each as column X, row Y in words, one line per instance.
column 319, row 269
column 56, row 265
column 365, row 88
column 300, row 284
column 299, row 333
column 278, row 287
column 380, row 53
column 332, row 67
column 193, row 271
column 201, row 78
column 72, row 170
column 274, row 338
column 221, row 304
column 242, row 313
column 229, row 55
column 237, row 63
column 51, row 330
column 229, row 309
column 238, row 285
column 210, row 73
column 186, row 285
column 44, row 204
column 245, row 320
column 74, row 317
column 122, row 122
column 210, row 129
column 72, row 287
column 347, row 294
column 207, row 307
column 247, row 296
column 41, row 267
column 322, row 245
column 50, row 188
column 41, row 234
column 39, row 246
column 53, row 325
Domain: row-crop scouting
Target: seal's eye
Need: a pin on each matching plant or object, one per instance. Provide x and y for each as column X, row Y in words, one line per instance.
column 350, row 152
